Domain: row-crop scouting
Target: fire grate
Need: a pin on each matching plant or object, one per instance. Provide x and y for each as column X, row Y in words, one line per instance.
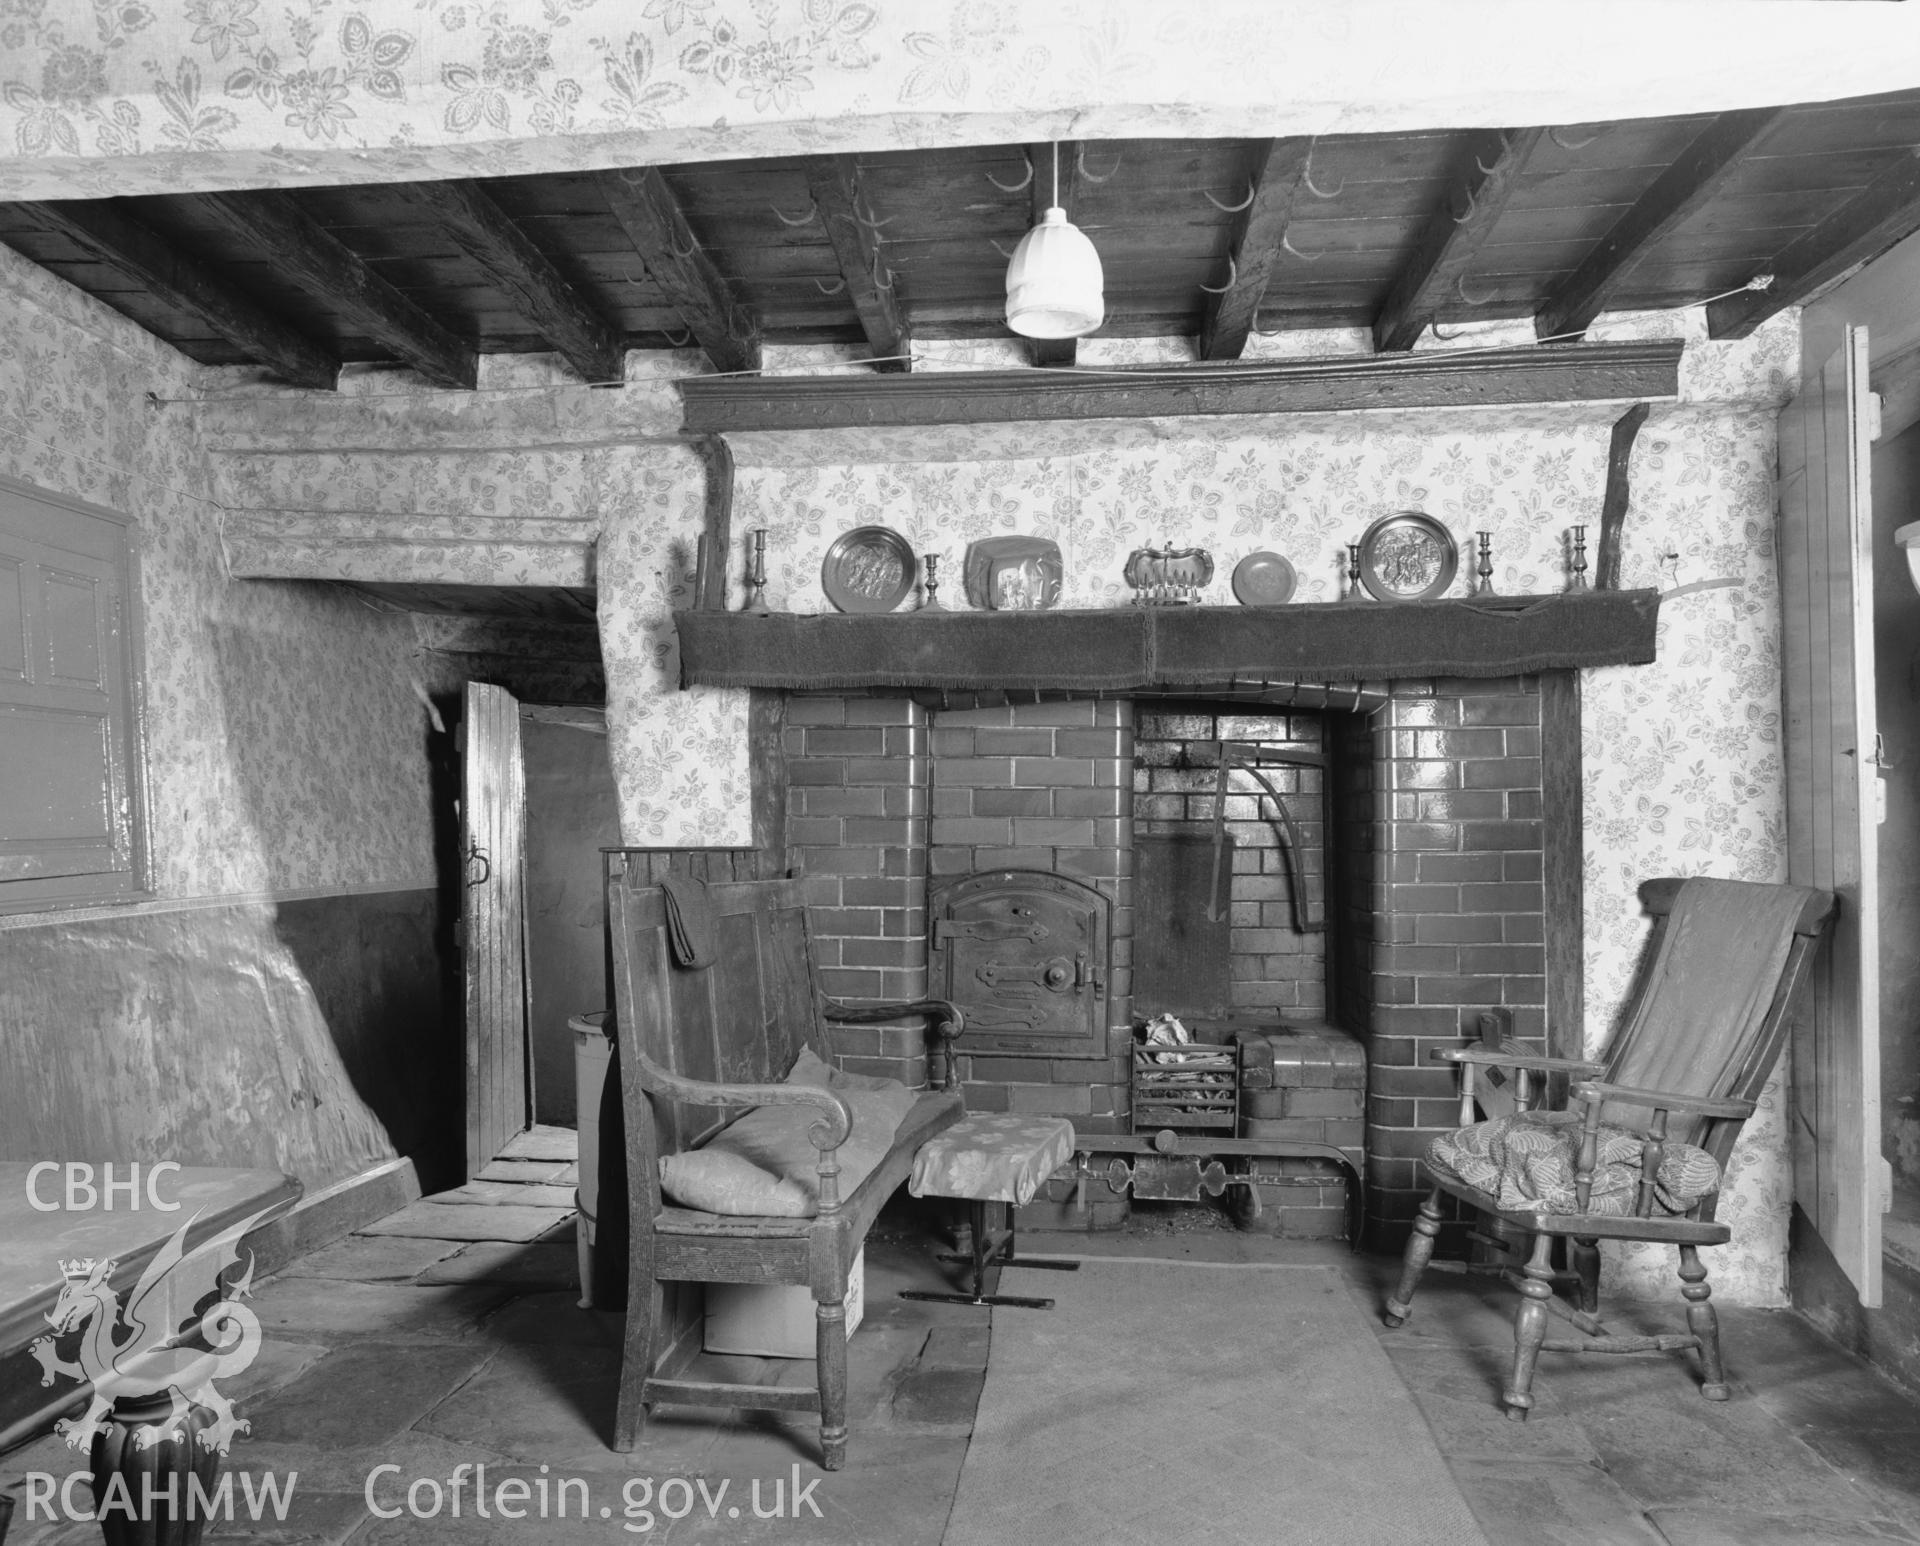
column 1189, row 1088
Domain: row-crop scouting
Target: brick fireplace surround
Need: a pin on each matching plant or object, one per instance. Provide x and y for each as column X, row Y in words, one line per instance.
column 1451, row 879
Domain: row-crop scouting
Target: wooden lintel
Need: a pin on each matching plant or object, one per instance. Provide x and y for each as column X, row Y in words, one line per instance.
column 651, row 216
column 1426, row 379
column 106, row 229
column 310, row 256
column 535, row 288
column 1676, row 193
column 853, row 231
column 1252, row 247
column 1613, row 508
column 1491, row 163
column 1882, row 213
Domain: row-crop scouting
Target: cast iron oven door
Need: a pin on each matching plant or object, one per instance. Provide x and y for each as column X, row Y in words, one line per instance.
column 1024, row 953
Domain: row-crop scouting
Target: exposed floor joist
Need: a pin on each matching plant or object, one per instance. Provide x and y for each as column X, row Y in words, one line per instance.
column 1882, row 213
column 1679, row 192
column 854, row 233
column 320, row 264
column 1459, row 228
column 552, row 306
column 104, row 228
column 1253, row 246
column 650, row 215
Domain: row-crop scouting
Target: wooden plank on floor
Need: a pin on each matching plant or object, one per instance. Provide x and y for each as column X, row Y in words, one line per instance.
column 506, row 1194
column 542, row 1143
column 443, row 1221
column 530, row 1172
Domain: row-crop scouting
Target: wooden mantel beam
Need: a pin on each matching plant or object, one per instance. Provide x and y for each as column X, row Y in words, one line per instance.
column 535, row 288
column 1882, row 213
column 650, row 215
column 105, row 228
column 834, row 182
column 318, row 262
column 1677, row 193
column 1491, row 165
column 1426, row 379
column 1253, row 245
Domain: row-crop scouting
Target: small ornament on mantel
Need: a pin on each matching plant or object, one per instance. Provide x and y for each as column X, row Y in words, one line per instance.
column 1577, row 577
column 757, row 571
column 1483, row 564
column 930, row 568
column 1355, row 591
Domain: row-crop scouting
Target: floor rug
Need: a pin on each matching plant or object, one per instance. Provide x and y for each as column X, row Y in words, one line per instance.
column 1174, row 1402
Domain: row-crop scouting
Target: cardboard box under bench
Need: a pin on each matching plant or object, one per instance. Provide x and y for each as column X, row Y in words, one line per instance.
column 775, row 1320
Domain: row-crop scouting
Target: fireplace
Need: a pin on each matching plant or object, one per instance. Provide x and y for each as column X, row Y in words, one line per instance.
column 1436, row 868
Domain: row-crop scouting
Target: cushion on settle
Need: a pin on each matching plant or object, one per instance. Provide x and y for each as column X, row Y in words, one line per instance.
column 1527, row 1162
column 764, row 1164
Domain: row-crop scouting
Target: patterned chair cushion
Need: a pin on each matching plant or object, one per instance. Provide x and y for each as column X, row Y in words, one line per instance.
column 994, row 1158
column 1527, row 1162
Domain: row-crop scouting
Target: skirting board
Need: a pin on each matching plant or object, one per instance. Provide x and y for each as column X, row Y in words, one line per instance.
column 316, row 1220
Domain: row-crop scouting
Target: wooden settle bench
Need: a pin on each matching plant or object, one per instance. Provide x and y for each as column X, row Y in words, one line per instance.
column 698, row 1045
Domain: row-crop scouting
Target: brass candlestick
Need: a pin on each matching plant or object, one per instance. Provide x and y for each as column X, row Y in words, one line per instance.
column 1483, row 567
column 757, row 572
column 930, row 565
column 1354, row 592
column 1578, row 582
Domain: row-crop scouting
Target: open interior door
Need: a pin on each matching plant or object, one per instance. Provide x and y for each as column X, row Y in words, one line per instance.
column 1833, row 799
column 493, row 915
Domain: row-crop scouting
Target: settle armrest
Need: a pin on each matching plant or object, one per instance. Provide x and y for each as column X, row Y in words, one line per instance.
column 1596, row 1091
column 826, row 1135
column 948, row 1022
column 1499, row 1058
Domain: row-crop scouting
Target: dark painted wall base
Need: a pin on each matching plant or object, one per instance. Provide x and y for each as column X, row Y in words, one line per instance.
column 1888, row 1337
column 312, row 1036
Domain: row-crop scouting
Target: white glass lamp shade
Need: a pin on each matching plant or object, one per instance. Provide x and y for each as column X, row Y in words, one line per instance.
column 1054, row 281
column 1908, row 537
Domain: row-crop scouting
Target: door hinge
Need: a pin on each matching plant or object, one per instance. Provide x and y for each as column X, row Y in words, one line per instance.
column 1873, row 416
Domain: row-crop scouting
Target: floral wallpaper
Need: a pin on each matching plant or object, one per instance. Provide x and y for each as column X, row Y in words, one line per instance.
column 147, row 96
column 283, row 731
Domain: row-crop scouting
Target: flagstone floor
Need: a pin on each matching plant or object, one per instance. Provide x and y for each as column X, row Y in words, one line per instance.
column 394, row 1362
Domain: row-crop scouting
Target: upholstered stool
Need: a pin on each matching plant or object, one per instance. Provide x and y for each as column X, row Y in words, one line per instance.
column 992, row 1159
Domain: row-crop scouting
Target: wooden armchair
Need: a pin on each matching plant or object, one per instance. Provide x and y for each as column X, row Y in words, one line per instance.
column 695, row 1046
column 1725, row 966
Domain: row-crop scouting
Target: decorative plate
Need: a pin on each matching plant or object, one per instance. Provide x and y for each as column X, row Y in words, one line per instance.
column 1013, row 574
column 1407, row 556
column 869, row 569
column 1263, row 580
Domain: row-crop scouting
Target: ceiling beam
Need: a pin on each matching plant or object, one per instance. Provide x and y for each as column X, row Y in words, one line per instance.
column 1054, row 179
column 1427, row 379
column 534, row 287
column 1493, row 160
column 650, row 215
column 1677, row 193
column 834, row 182
column 308, row 255
column 1254, row 244
column 1882, row 213
column 105, row 229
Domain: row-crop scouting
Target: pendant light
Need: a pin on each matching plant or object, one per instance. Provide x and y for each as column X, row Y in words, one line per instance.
column 1054, row 281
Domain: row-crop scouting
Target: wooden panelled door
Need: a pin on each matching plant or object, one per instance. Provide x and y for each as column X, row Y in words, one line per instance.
column 1833, row 799
column 493, row 831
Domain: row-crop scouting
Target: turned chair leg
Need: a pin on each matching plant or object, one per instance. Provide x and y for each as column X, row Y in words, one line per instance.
column 1426, row 1228
column 1583, row 1255
column 1703, row 1322
column 830, row 1347
column 1530, row 1327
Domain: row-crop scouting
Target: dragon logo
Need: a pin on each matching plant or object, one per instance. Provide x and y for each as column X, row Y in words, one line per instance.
column 169, row 1346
